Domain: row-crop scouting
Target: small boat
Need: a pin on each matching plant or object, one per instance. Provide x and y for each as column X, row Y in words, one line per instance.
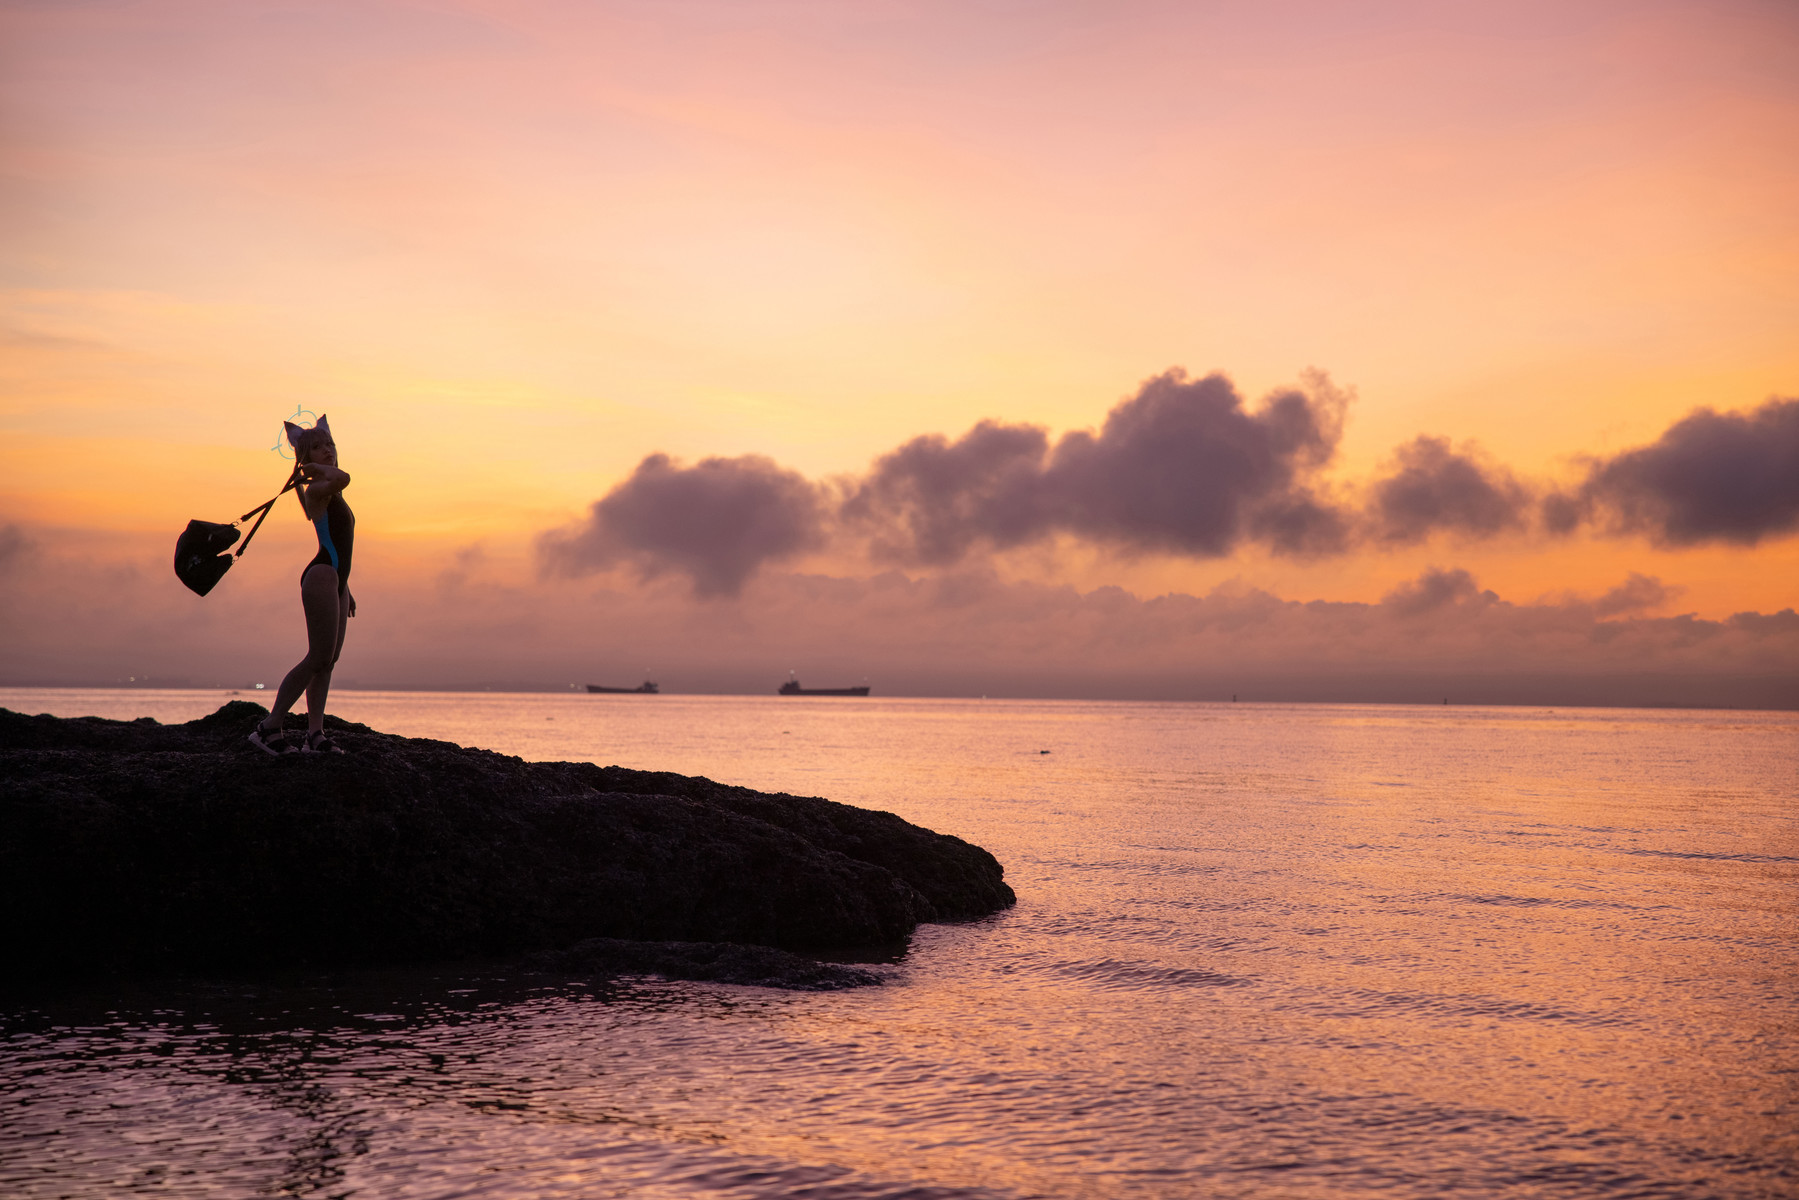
column 646, row 688
column 792, row 688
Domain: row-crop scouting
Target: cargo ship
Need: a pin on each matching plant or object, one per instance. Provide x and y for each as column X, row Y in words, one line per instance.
column 646, row 688
column 792, row 688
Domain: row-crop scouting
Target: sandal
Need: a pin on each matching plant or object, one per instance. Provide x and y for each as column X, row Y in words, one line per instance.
column 320, row 743
column 276, row 743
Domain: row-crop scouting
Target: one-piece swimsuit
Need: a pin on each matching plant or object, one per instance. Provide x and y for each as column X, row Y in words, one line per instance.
column 336, row 527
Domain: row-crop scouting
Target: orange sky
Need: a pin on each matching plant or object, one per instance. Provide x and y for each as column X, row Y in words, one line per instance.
column 513, row 248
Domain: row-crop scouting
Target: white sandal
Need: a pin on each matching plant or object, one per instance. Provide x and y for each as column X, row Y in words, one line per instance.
column 276, row 743
column 320, row 743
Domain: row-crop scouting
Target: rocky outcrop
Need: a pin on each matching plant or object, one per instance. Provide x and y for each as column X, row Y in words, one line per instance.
column 128, row 846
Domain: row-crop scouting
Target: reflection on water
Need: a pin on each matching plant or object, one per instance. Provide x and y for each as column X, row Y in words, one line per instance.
column 1259, row 950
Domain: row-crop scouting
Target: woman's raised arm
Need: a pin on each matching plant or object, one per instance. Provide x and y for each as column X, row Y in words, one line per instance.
column 321, row 482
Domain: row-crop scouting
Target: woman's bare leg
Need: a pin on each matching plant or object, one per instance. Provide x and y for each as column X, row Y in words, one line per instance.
column 324, row 632
column 320, row 687
column 292, row 684
column 324, row 635
column 343, row 622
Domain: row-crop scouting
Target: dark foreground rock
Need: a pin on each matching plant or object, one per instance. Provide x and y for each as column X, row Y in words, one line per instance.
column 134, row 846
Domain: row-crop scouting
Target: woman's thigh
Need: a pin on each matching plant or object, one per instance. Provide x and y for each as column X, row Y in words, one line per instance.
column 343, row 622
column 318, row 595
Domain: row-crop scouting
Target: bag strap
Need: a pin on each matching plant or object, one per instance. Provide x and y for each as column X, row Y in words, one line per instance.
column 261, row 511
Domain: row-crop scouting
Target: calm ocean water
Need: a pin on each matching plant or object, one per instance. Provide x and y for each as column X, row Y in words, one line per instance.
column 1259, row 950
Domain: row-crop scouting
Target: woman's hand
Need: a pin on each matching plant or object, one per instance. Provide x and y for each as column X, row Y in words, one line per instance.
column 318, row 483
column 352, row 596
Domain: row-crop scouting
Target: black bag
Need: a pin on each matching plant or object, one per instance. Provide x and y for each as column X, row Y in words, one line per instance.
column 200, row 561
column 200, row 558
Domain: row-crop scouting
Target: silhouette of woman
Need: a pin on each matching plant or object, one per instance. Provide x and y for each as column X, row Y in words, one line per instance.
column 324, row 593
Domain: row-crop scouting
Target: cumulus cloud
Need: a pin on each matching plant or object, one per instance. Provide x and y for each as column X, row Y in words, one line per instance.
column 1711, row 477
column 1635, row 594
column 1184, row 466
column 717, row 522
column 933, row 500
column 1302, row 525
column 1435, row 589
column 1433, row 487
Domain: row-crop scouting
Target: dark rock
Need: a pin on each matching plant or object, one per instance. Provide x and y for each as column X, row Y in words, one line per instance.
column 129, row 846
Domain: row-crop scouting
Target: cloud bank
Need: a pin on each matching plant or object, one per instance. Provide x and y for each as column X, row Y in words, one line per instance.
column 89, row 612
column 1185, row 468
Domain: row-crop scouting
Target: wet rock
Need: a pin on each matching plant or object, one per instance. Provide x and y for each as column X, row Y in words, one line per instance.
column 128, row 846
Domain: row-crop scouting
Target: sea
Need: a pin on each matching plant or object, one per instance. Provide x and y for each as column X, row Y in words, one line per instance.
column 1259, row 950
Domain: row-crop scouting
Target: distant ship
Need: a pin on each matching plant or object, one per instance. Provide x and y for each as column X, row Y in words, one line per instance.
column 646, row 688
column 792, row 688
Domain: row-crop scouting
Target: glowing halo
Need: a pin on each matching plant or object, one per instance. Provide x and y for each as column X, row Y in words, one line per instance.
column 299, row 418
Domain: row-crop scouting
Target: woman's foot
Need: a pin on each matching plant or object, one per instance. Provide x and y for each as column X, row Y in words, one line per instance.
column 273, row 741
column 321, row 743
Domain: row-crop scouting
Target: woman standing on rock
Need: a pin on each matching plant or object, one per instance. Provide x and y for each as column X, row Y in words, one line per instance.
column 324, row 593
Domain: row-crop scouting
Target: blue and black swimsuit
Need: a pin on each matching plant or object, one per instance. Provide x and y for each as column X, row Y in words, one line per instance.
column 336, row 527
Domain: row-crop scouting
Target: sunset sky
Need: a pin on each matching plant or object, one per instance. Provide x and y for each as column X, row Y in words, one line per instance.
column 517, row 250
